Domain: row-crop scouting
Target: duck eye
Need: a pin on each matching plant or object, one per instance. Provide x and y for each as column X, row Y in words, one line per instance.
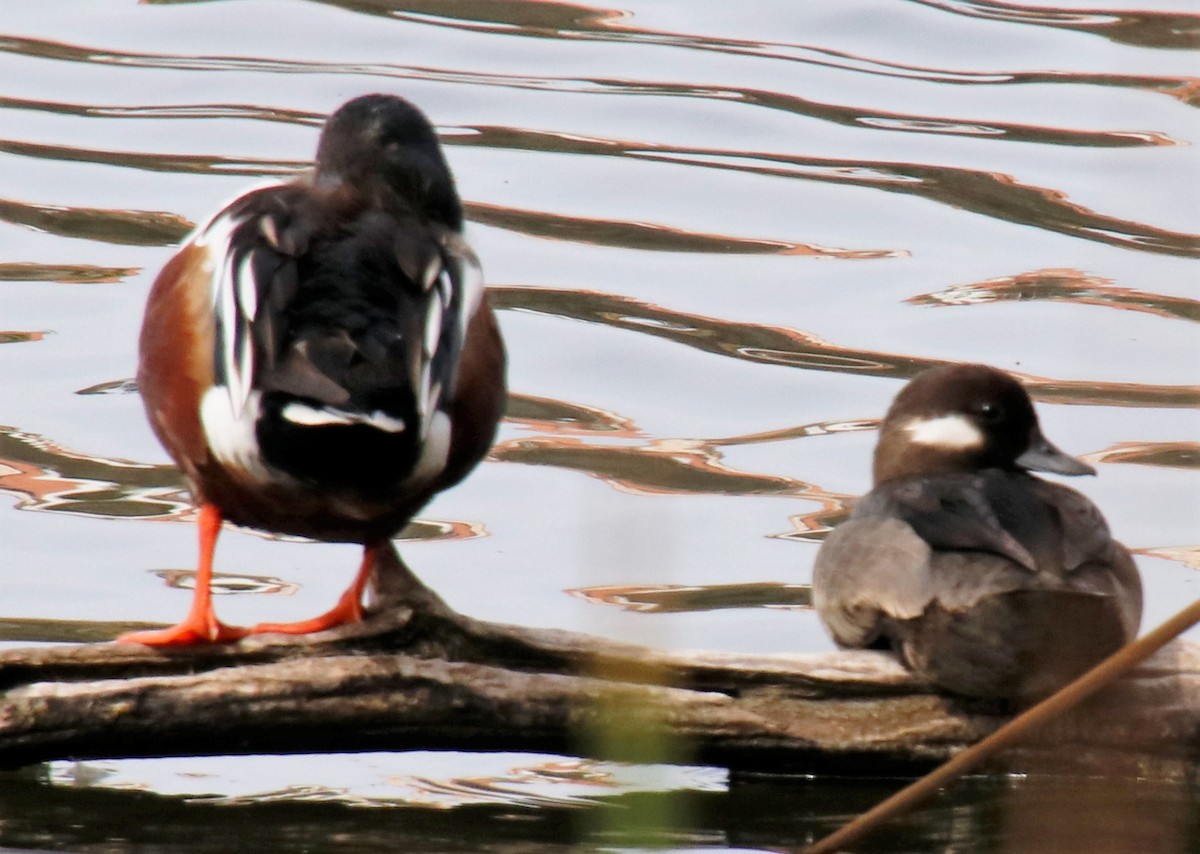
column 990, row 412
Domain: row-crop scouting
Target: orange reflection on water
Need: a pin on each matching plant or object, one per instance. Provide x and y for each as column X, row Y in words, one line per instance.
column 677, row 598
column 1182, row 455
column 1062, row 285
column 46, row 476
column 994, row 194
column 16, row 336
column 649, row 236
column 660, row 467
column 1189, row 556
column 64, row 274
column 779, row 345
column 547, row 415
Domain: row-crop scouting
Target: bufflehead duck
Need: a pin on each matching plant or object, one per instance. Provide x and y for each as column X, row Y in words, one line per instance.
column 985, row 580
column 320, row 358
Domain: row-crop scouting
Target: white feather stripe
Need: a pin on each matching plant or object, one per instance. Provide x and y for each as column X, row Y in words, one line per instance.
column 461, row 287
column 467, row 274
column 946, row 431
column 435, row 450
column 445, row 287
column 225, row 310
column 425, row 402
column 433, row 325
column 304, row 415
column 433, row 271
column 231, row 434
column 247, row 287
column 236, row 356
column 269, row 231
column 246, row 306
column 235, row 303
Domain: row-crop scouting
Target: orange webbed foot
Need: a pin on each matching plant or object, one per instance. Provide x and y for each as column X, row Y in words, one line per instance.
column 201, row 625
column 188, row 633
column 347, row 610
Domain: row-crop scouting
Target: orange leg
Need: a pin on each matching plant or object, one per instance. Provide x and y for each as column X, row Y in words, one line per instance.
column 201, row 624
column 347, row 610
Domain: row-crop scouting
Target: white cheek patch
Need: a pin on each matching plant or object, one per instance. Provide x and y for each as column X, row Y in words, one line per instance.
column 955, row 432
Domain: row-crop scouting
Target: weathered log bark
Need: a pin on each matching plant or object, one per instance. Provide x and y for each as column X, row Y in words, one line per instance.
column 417, row 675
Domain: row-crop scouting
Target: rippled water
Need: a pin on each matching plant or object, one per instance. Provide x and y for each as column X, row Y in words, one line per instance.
column 720, row 236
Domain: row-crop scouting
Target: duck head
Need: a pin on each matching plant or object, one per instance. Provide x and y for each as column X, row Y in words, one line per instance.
column 385, row 148
column 964, row 418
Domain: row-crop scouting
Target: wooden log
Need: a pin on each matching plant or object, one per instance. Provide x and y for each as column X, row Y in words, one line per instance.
column 417, row 675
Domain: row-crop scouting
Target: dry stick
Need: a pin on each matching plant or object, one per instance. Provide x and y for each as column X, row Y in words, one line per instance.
column 1102, row 674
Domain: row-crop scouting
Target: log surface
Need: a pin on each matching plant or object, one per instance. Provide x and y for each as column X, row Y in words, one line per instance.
column 417, row 675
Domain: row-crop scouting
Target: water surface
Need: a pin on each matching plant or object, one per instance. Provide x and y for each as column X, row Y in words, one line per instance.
column 720, row 237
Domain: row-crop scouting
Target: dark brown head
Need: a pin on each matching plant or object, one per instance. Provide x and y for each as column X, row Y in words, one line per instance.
column 384, row 148
column 964, row 418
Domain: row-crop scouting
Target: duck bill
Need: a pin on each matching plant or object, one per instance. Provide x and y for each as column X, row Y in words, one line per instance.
column 1044, row 456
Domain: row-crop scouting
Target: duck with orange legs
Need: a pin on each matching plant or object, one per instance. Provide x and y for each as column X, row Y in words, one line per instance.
column 320, row 358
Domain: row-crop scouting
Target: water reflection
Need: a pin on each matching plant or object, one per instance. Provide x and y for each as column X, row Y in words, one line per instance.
column 992, row 194
column 1063, row 285
column 1144, row 28
column 228, row 583
column 201, row 164
column 45, row 476
column 553, row 19
column 56, row 50
column 15, row 336
column 675, row 598
column 1189, row 556
column 523, row 811
column 136, row 228
column 64, row 274
column 1181, row 455
column 1049, row 147
column 547, row 415
column 649, row 236
column 781, row 346
column 663, row 467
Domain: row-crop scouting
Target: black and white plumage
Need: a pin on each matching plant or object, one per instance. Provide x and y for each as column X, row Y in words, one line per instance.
column 986, row 580
column 339, row 379
column 320, row 358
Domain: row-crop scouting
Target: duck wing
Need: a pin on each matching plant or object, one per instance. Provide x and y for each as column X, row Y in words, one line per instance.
column 947, row 540
column 338, row 331
column 869, row 573
column 992, row 511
